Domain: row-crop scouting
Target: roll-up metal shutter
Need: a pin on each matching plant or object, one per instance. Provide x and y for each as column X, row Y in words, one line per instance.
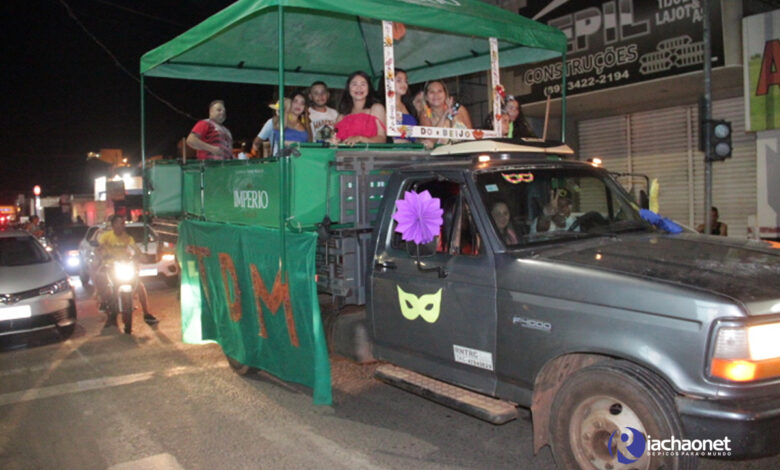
column 605, row 138
column 663, row 144
column 608, row 139
column 734, row 180
column 659, row 149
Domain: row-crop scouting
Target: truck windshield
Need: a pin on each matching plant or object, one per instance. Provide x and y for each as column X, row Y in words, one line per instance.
column 540, row 205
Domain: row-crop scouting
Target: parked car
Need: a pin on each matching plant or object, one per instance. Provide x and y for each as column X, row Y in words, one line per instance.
column 35, row 293
column 64, row 241
column 158, row 258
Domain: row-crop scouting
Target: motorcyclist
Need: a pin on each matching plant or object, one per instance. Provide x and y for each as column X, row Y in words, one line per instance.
column 113, row 244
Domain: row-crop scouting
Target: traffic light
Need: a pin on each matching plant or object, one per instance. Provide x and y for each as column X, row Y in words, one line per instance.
column 720, row 139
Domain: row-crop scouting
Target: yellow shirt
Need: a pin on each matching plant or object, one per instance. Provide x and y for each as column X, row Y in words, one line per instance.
column 115, row 246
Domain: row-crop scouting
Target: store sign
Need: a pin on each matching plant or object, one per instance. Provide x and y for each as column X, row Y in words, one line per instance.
column 761, row 59
column 617, row 42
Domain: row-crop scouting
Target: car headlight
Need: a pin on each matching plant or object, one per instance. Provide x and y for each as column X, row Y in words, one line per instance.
column 124, row 271
column 59, row 286
column 746, row 353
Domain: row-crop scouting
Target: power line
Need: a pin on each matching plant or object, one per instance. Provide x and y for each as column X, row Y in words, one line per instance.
column 122, row 67
column 140, row 13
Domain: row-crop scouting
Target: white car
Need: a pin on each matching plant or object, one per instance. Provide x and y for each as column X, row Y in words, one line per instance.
column 35, row 293
column 158, row 259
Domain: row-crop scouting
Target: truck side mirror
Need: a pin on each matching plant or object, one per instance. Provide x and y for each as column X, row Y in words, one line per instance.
column 422, row 251
column 644, row 201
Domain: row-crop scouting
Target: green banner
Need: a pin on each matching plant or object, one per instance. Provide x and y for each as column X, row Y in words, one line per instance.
column 233, row 293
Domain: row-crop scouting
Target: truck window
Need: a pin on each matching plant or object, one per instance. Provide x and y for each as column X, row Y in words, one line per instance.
column 536, row 205
column 458, row 235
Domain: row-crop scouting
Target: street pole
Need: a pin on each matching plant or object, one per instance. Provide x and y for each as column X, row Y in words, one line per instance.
column 707, row 115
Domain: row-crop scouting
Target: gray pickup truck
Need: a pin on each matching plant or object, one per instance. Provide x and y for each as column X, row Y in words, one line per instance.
column 632, row 347
column 542, row 287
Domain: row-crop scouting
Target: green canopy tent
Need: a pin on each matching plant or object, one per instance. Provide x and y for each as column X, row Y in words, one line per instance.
column 329, row 39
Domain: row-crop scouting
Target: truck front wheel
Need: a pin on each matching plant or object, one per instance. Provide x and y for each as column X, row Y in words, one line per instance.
column 602, row 415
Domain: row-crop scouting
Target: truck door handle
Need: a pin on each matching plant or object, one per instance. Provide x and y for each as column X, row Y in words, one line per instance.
column 384, row 265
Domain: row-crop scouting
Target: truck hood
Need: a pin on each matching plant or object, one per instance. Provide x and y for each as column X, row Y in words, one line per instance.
column 746, row 271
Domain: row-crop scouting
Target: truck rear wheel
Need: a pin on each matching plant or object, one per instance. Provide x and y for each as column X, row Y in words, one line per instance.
column 238, row 368
column 602, row 415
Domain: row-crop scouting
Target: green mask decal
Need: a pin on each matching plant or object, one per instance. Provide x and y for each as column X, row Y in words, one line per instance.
column 426, row 306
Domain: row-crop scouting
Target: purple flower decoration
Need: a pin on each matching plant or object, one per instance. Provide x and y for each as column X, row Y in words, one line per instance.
column 418, row 216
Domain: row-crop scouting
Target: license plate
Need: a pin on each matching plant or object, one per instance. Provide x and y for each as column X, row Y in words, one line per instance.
column 15, row 312
column 148, row 272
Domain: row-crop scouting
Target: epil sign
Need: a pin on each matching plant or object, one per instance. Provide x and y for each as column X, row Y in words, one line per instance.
column 250, row 199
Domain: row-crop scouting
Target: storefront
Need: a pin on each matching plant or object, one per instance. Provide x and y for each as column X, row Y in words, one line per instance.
column 633, row 87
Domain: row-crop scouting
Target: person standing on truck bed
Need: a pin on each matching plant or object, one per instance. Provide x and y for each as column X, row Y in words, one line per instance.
column 209, row 137
column 518, row 126
column 322, row 118
column 441, row 110
column 296, row 126
column 361, row 115
column 405, row 112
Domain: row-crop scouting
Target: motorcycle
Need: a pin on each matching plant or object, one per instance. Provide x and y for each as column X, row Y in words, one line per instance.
column 122, row 275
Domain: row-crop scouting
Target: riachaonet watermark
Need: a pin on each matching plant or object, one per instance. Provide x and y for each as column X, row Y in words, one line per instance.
column 701, row 447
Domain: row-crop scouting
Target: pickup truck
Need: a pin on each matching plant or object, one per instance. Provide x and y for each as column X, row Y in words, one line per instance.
column 632, row 347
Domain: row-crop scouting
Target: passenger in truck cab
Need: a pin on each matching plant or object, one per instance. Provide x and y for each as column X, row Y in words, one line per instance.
column 499, row 211
column 441, row 110
column 361, row 115
column 556, row 214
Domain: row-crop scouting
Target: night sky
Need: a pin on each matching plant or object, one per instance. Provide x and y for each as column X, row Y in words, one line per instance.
column 65, row 96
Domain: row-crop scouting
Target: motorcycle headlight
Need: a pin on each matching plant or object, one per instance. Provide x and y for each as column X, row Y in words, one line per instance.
column 124, row 272
column 73, row 259
column 59, row 286
column 746, row 353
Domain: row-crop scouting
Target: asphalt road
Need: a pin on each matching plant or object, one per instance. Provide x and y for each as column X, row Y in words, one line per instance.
column 104, row 400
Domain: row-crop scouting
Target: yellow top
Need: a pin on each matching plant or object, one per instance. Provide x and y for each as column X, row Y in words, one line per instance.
column 115, row 246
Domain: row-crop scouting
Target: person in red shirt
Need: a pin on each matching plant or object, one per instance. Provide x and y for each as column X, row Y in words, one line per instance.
column 209, row 137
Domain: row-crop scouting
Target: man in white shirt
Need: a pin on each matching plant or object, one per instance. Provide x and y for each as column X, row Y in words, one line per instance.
column 322, row 118
column 556, row 215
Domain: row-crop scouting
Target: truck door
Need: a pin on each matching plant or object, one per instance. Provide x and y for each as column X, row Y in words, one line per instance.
column 440, row 322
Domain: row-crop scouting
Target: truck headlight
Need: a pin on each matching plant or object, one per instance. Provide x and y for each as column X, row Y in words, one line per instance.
column 746, row 353
column 124, row 272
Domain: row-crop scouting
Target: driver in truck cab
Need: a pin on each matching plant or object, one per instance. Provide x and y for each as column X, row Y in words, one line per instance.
column 112, row 244
column 556, row 214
